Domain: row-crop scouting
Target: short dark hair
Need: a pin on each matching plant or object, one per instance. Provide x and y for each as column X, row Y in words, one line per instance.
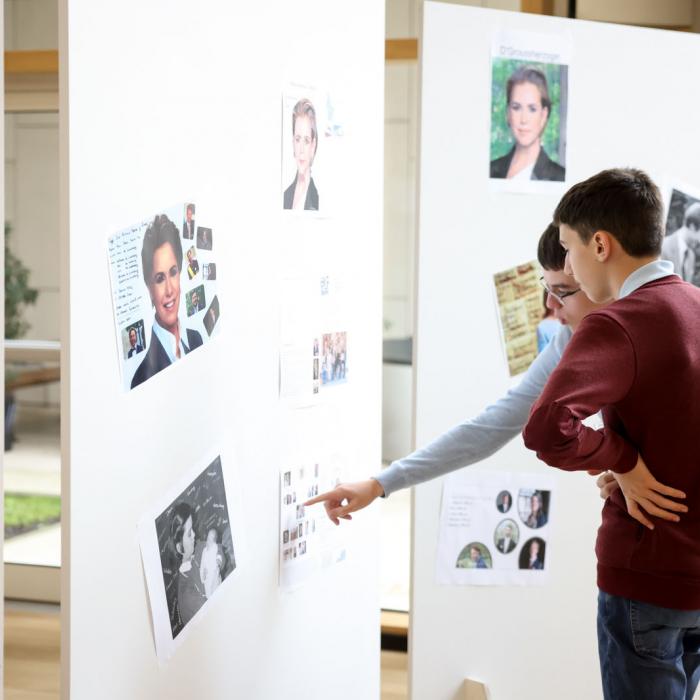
column 625, row 202
column 550, row 254
column 528, row 74
column 159, row 232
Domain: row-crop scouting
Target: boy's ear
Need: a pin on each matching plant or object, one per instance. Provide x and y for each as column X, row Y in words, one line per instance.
column 602, row 245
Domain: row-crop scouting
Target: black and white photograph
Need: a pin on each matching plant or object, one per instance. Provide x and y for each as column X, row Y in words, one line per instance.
column 153, row 275
column 681, row 245
column 188, row 552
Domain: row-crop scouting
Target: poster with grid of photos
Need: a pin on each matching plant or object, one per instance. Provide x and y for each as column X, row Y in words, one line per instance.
column 163, row 275
column 308, row 540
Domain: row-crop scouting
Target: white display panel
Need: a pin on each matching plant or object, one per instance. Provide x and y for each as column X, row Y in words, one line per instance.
column 537, row 642
column 168, row 102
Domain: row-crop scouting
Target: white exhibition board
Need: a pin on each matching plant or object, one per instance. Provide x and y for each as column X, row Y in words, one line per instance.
column 172, row 102
column 629, row 104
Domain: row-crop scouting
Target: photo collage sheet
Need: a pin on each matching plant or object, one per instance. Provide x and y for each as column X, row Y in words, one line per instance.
column 495, row 528
column 528, row 155
column 163, row 277
column 315, row 351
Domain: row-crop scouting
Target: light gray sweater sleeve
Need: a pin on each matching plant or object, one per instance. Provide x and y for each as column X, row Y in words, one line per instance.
column 481, row 436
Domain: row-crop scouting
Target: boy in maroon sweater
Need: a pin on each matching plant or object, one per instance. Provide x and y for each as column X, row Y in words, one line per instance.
column 638, row 360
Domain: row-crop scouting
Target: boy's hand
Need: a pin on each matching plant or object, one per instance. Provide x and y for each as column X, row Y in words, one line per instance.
column 356, row 496
column 642, row 490
column 607, row 483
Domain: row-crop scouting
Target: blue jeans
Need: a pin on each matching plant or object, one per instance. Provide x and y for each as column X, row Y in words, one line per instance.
column 647, row 652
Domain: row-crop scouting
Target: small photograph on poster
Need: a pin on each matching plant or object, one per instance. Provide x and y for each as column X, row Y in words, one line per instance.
column 477, row 545
column 506, row 536
column 529, row 107
column 682, row 242
column 188, row 227
column 212, row 316
column 532, row 554
column 209, row 271
column 504, row 501
column 133, row 339
column 154, row 294
column 204, row 238
column 533, row 507
column 309, row 541
column 334, row 356
column 192, row 264
column 195, row 300
column 311, row 130
column 474, row 556
column 525, row 320
column 188, row 553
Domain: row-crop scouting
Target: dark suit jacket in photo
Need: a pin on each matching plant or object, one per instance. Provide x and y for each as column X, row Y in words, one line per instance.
column 185, row 232
column 157, row 359
column 135, row 350
column 545, row 168
column 501, row 546
column 311, row 201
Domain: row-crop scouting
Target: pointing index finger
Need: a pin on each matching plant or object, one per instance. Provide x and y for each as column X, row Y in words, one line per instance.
column 327, row 496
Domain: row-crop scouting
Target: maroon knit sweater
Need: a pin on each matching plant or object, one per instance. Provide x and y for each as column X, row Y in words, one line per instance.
column 639, row 361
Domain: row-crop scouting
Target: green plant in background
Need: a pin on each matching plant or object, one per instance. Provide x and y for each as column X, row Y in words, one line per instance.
column 18, row 293
column 501, row 138
column 25, row 512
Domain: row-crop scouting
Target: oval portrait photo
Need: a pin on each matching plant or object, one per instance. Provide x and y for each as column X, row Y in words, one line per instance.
column 533, row 507
column 474, row 556
column 532, row 554
column 504, row 501
column 506, row 536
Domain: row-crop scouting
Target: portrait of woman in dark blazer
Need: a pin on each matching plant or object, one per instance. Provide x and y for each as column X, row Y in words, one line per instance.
column 302, row 193
column 528, row 109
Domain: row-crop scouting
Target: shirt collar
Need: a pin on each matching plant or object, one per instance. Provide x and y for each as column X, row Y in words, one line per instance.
column 167, row 340
column 643, row 275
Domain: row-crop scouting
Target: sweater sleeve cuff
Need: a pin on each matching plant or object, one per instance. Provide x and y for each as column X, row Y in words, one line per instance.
column 628, row 459
column 390, row 480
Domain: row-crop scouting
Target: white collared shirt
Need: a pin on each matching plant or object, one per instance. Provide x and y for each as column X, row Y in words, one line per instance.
column 167, row 340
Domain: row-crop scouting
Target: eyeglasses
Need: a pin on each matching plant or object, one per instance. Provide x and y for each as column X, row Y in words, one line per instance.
column 559, row 296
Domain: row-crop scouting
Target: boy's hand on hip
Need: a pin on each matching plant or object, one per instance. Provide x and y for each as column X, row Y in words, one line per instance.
column 607, row 483
column 645, row 495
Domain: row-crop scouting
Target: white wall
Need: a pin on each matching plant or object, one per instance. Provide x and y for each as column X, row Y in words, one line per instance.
column 172, row 101
column 524, row 643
